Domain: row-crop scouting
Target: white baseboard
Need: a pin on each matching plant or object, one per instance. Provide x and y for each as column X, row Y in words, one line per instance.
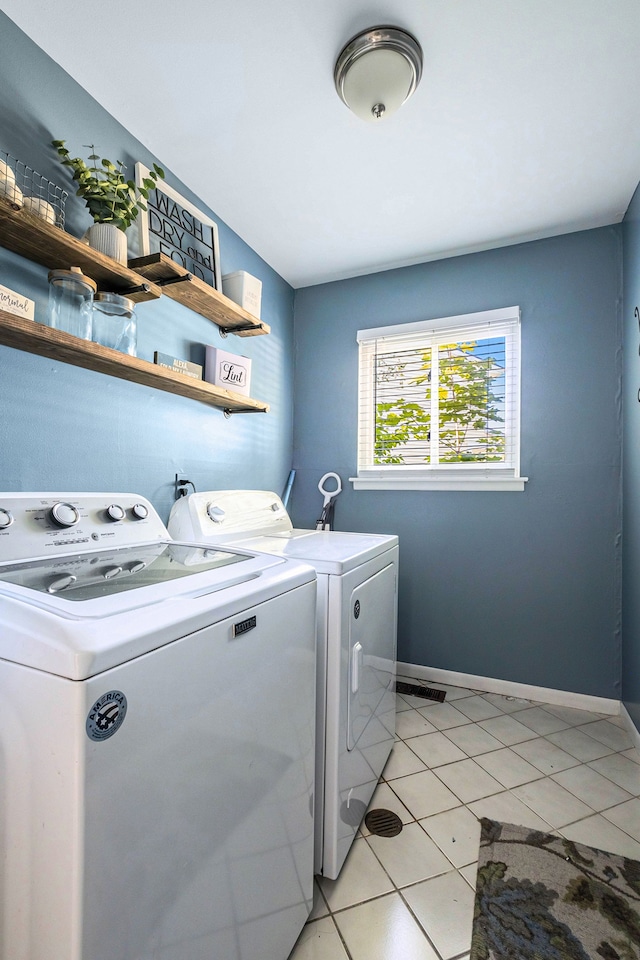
column 508, row 688
column 634, row 733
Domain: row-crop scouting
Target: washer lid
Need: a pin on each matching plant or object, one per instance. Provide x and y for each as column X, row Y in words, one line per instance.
column 103, row 573
column 161, row 593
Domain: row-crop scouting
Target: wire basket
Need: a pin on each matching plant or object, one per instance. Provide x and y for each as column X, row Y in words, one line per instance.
column 26, row 189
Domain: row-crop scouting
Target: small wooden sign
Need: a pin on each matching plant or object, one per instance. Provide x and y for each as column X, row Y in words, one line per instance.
column 172, row 225
column 188, row 369
column 15, row 303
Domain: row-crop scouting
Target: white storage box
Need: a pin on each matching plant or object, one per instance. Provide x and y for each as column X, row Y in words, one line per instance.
column 227, row 370
column 244, row 290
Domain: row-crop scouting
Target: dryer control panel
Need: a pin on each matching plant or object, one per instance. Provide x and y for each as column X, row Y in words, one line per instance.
column 229, row 515
column 52, row 524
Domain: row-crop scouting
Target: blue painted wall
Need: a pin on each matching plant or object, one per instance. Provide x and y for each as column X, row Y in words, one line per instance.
column 519, row 586
column 631, row 471
column 64, row 428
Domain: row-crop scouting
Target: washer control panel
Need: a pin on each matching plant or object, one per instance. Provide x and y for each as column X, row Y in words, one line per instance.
column 48, row 524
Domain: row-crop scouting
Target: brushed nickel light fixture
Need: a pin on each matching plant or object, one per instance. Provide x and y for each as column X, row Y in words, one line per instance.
column 377, row 71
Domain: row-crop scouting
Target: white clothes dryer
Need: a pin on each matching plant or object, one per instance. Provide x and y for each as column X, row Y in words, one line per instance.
column 157, row 734
column 356, row 645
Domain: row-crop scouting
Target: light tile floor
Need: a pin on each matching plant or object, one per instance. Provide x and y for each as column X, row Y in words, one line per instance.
column 410, row 897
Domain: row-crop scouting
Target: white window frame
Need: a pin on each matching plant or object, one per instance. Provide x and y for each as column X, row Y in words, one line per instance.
column 462, row 476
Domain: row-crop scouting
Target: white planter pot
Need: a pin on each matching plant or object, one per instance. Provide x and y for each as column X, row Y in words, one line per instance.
column 108, row 239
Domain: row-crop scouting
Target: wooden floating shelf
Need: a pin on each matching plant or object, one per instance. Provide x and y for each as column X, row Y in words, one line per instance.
column 28, row 235
column 36, row 338
column 194, row 293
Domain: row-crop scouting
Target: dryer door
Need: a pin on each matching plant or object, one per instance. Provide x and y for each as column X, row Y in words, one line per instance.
column 371, row 649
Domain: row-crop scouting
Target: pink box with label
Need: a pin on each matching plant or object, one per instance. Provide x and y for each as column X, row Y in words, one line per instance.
column 227, row 370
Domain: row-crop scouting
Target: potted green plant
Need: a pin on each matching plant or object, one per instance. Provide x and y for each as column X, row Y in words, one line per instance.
column 113, row 201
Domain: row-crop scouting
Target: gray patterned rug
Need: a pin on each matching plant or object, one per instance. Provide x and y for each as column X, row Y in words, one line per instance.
column 539, row 897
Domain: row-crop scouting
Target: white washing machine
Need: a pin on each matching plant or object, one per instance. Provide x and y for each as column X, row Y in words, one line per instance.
column 356, row 636
column 156, row 738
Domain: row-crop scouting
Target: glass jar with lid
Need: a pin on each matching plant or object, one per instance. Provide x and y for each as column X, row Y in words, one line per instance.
column 70, row 298
column 114, row 322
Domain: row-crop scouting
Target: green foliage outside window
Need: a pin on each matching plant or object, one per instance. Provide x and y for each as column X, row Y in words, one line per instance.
column 469, row 402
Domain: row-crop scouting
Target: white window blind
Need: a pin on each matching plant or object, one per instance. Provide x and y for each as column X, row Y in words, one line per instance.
column 439, row 404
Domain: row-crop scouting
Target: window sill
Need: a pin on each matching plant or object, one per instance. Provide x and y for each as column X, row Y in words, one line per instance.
column 485, row 482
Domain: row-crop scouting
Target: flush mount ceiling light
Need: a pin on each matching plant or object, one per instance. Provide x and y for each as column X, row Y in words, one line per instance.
column 377, row 71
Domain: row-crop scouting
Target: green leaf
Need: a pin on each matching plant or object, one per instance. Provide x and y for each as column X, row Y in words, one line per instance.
column 108, row 195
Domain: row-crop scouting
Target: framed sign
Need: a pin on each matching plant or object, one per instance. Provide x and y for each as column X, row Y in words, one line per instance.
column 175, row 227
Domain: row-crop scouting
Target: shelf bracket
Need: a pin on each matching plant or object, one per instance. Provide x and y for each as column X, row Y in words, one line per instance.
column 140, row 288
column 185, row 277
column 240, row 327
column 227, row 411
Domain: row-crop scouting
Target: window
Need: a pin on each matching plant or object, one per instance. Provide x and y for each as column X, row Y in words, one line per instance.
column 439, row 404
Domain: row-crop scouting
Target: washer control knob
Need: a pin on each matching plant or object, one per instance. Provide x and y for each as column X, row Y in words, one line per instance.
column 6, row 518
column 115, row 512
column 136, row 566
column 139, row 511
column 64, row 514
column 216, row 514
column 110, row 572
column 61, row 583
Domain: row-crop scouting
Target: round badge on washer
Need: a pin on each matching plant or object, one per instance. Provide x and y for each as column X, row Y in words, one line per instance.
column 106, row 715
column 356, row 609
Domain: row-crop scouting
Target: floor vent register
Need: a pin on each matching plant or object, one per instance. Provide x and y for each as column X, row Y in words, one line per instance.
column 429, row 693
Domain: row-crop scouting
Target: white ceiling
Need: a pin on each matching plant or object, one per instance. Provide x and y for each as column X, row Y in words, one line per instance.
column 526, row 123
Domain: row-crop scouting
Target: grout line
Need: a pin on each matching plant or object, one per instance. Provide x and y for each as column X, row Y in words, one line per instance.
column 342, row 939
column 422, row 929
